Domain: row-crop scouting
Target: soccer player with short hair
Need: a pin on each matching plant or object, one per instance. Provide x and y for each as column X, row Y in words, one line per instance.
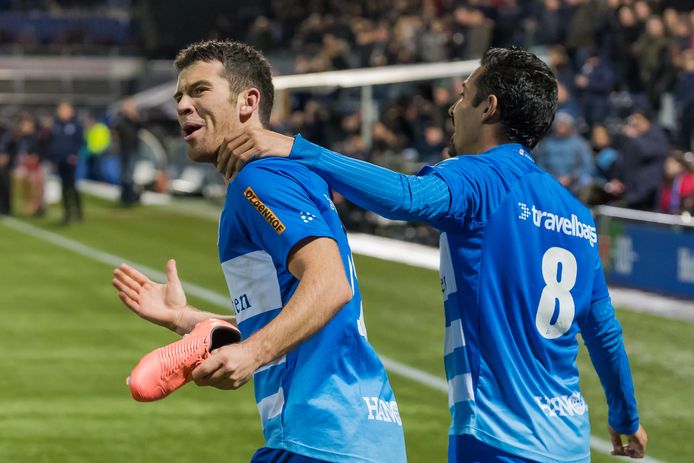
column 520, row 270
column 322, row 393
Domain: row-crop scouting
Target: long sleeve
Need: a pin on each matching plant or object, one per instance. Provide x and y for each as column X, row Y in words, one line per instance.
column 390, row 194
column 602, row 334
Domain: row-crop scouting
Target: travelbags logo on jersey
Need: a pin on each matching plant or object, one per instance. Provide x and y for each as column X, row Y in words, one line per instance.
column 265, row 211
column 570, row 226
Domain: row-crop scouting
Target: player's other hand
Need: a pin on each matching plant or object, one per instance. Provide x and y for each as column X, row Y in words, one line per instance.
column 163, row 304
column 228, row 367
column 250, row 144
column 635, row 446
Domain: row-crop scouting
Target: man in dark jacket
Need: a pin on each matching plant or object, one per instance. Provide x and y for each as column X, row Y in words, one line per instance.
column 639, row 168
column 67, row 139
column 127, row 127
column 7, row 160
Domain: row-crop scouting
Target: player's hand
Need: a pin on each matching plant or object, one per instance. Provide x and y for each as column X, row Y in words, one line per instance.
column 635, row 446
column 228, row 367
column 248, row 145
column 163, row 304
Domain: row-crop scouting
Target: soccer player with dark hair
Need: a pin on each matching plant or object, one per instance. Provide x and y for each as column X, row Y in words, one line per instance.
column 322, row 393
column 520, row 270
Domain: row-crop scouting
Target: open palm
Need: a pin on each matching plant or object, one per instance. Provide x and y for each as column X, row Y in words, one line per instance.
column 162, row 304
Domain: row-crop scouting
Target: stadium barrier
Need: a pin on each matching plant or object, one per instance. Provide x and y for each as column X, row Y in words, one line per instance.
column 647, row 250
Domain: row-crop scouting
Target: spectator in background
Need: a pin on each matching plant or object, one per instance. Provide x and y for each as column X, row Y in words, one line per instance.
column 433, row 42
column 334, row 55
column 432, row 146
column 261, row 34
column 604, row 160
column 679, row 31
column 8, row 154
column 581, row 36
column 28, row 173
column 566, row 103
column 66, row 142
column 98, row 138
column 605, row 155
column 566, row 155
column 643, row 11
column 476, row 30
column 677, row 189
column 640, row 165
column 655, row 60
column 442, row 100
column 127, row 128
column 551, row 23
column 594, row 82
column 684, row 100
column 626, row 34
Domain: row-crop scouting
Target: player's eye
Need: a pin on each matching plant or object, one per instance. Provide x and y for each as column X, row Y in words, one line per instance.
column 199, row 91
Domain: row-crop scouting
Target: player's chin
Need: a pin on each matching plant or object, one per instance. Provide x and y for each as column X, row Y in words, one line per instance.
column 197, row 153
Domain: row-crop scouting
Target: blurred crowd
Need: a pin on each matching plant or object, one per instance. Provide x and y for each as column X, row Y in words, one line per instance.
column 32, row 148
column 625, row 70
column 82, row 27
column 624, row 130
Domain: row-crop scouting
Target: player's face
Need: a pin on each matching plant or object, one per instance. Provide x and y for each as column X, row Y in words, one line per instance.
column 206, row 109
column 467, row 119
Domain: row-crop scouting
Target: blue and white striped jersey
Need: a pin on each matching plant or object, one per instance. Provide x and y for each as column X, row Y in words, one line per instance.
column 521, row 277
column 329, row 398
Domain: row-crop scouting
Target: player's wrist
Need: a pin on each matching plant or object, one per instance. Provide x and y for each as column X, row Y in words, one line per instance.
column 181, row 321
column 256, row 351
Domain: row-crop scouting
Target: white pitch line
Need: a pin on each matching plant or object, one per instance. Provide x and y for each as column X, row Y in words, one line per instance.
column 414, row 374
column 109, row 259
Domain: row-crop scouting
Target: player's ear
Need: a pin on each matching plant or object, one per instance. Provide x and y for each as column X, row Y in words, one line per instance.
column 249, row 100
column 491, row 113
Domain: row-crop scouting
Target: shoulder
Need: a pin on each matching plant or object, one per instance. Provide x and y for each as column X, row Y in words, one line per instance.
column 270, row 173
column 276, row 177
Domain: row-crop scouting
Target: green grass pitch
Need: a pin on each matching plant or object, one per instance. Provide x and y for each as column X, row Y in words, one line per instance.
column 67, row 345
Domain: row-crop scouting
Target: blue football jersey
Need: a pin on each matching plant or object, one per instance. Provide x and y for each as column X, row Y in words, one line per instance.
column 520, row 272
column 329, row 398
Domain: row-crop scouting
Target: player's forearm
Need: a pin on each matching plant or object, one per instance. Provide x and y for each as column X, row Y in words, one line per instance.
column 390, row 194
column 187, row 318
column 316, row 300
column 603, row 337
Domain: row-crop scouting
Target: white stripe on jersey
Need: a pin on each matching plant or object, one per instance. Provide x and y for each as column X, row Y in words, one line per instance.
column 253, row 284
column 271, row 406
column 448, row 283
column 454, row 336
column 460, row 389
column 274, row 363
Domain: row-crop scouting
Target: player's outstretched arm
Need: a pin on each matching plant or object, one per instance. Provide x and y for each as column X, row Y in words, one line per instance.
column 635, row 446
column 388, row 193
column 162, row 304
column 322, row 291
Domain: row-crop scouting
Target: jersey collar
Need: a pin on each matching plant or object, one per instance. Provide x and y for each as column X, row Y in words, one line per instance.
column 511, row 148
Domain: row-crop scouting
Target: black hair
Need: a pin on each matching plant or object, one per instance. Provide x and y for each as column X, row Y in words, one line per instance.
column 525, row 88
column 244, row 67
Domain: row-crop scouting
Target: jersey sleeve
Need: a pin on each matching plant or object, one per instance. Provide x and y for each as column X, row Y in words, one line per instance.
column 465, row 182
column 602, row 335
column 275, row 210
column 388, row 193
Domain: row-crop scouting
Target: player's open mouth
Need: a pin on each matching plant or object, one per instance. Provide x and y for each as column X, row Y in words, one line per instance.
column 190, row 129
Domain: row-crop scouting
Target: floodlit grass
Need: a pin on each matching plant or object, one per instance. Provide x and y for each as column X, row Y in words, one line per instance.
column 68, row 345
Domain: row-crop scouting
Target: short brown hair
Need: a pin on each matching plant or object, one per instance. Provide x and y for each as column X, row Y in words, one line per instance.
column 244, row 65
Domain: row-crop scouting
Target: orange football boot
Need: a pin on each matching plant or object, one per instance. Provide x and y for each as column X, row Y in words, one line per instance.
column 167, row 368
